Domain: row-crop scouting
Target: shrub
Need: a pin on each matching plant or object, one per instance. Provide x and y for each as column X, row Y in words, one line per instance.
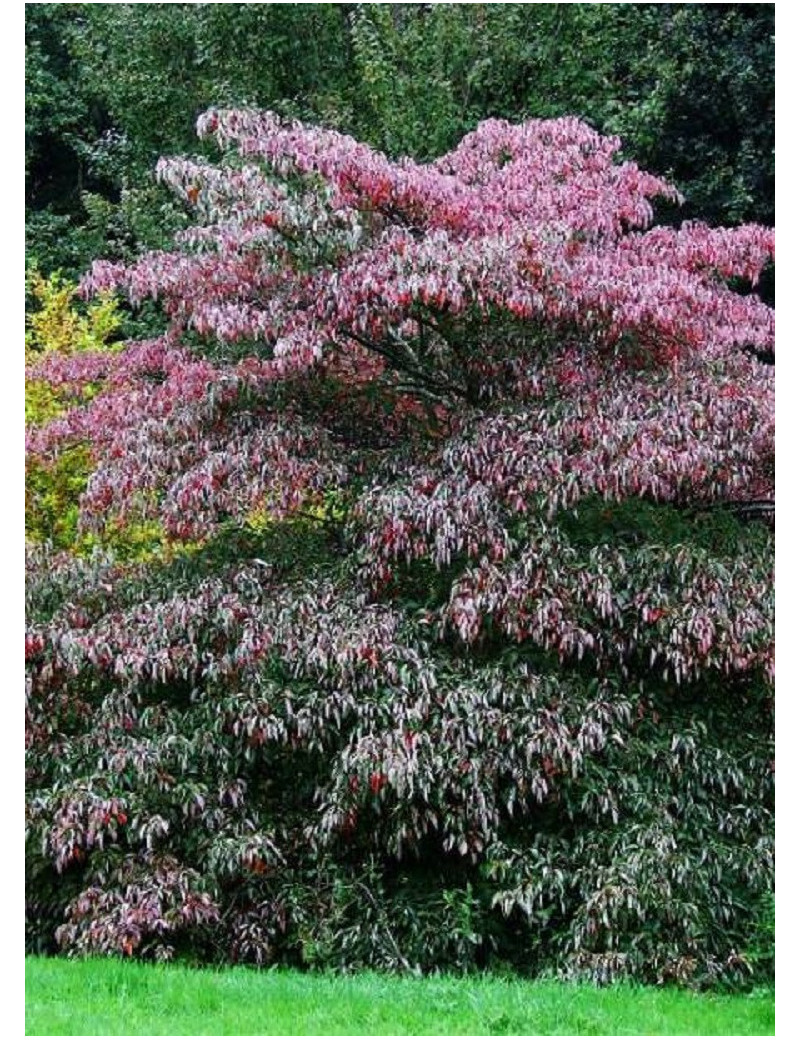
column 472, row 662
column 56, row 327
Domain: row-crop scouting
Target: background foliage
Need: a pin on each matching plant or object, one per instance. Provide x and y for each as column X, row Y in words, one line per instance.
column 110, row 87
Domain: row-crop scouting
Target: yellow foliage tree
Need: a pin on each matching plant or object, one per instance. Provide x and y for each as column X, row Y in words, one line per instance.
column 56, row 324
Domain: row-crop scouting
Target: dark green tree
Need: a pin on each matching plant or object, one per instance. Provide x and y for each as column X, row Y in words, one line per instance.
column 688, row 87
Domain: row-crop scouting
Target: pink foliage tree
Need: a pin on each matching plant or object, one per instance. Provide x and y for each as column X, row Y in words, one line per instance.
column 525, row 426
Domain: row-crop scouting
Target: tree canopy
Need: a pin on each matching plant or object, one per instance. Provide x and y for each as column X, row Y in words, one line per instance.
column 689, row 88
column 460, row 651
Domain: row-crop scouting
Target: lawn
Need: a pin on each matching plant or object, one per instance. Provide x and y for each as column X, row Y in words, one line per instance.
column 108, row 997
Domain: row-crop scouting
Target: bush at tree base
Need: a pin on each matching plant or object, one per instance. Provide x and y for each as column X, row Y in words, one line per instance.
column 471, row 660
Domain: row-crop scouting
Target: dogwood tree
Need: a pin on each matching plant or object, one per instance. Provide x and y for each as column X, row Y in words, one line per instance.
column 469, row 652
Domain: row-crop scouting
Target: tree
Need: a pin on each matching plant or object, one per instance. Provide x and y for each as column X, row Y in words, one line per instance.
column 110, row 87
column 467, row 655
column 688, row 87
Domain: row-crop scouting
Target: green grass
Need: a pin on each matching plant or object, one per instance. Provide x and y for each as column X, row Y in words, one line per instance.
column 108, row 997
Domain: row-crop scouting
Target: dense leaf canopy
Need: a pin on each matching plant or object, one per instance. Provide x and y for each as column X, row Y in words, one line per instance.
column 468, row 655
column 109, row 87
